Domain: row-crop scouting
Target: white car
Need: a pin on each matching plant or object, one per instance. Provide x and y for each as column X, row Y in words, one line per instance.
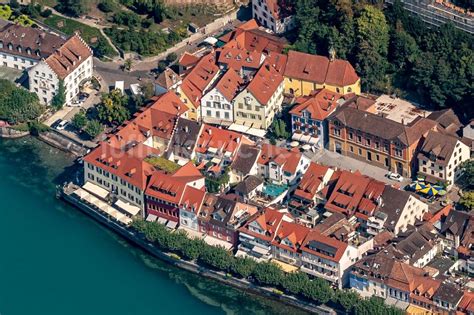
column 62, row 125
column 395, row 176
column 75, row 103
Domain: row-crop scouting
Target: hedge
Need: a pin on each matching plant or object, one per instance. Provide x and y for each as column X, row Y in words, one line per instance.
column 263, row 273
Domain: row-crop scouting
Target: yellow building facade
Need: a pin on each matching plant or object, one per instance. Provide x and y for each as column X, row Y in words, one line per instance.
column 299, row 87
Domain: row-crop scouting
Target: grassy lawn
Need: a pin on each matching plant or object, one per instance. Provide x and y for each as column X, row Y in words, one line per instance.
column 90, row 34
column 163, row 164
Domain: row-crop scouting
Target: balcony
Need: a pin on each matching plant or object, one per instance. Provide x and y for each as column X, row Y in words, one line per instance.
column 332, row 278
column 318, row 263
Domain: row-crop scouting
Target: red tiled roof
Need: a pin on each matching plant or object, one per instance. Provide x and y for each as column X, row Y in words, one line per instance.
column 169, row 103
column 311, row 181
column 229, row 85
column 188, row 60
column 170, row 187
column 192, row 199
column 467, row 302
column 199, row 78
column 319, row 69
column 288, row 158
column 354, row 192
column 269, row 221
column 122, row 164
column 295, row 233
column 238, row 58
column 338, row 246
column 69, row 56
column 220, row 139
column 265, row 83
column 319, row 105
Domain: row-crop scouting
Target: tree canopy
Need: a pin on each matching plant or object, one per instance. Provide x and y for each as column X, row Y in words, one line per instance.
column 17, row 105
column 112, row 109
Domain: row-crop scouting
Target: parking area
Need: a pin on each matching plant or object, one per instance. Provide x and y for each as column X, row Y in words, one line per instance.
column 334, row 159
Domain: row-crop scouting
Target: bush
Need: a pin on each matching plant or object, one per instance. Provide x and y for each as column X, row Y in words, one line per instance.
column 171, row 57
column 46, row 13
column 36, row 128
column 106, row 6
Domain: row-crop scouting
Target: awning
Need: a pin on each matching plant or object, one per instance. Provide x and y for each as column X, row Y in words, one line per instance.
column 171, row 224
column 248, row 130
column 162, row 220
column 133, row 210
column 217, row 242
column 81, row 193
column 260, row 250
column 211, row 40
column 151, row 218
column 125, row 220
column 96, row 190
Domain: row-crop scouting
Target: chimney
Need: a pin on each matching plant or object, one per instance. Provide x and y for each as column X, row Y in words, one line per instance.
column 209, row 131
column 332, row 54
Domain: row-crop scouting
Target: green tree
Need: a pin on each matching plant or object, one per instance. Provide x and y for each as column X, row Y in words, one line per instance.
column 94, row 128
column 17, row 105
column 403, row 48
column 171, row 57
column 268, row 273
column 468, row 173
column 467, row 200
column 73, row 8
column 295, row 282
column 216, row 257
column 79, row 120
column 102, row 48
column 128, row 64
column 372, row 35
column 112, row 109
column 58, row 100
column 5, row 12
column 243, row 266
column 107, row 6
column 318, row 290
column 347, row 299
column 192, row 248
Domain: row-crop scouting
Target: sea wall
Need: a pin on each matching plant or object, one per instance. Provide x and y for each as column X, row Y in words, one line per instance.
column 9, row 133
column 242, row 284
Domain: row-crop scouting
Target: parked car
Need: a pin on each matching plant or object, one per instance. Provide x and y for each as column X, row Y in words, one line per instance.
column 395, row 176
column 75, row 103
column 62, row 125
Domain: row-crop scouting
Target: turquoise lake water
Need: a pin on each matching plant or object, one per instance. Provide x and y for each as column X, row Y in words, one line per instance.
column 56, row 260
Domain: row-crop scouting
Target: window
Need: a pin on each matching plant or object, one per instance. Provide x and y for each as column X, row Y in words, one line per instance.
column 351, row 135
column 360, row 151
column 337, row 132
column 359, row 139
column 351, row 148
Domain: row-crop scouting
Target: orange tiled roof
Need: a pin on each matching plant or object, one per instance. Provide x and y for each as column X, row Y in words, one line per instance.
column 169, row 103
column 311, row 181
column 69, row 56
column 192, row 199
column 199, row 78
column 269, row 221
column 188, row 60
column 320, row 104
column 229, row 85
column 170, row 187
column 295, row 233
column 319, row 69
column 220, row 139
column 265, row 83
column 337, row 246
column 237, row 58
column 288, row 158
column 122, row 164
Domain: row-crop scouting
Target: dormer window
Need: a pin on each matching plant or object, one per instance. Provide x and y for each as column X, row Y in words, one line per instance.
column 28, row 51
column 1, row 44
column 10, row 46
column 19, row 49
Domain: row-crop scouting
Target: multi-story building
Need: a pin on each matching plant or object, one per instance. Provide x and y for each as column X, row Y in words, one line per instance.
column 305, row 73
column 309, row 194
column 256, row 105
column 71, row 63
column 217, row 104
column 256, row 236
column 308, row 116
column 380, row 141
column 328, row 258
column 440, row 12
column 165, row 192
column 242, row 61
column 286, row 246
column 245, row 163
column 181, row 148
column 271, row 14
column 196, row 83
column 280, row 165
column 119, row 172
column 441, row 156
column 220, row 218
column 190, row 207
column 23, row 47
